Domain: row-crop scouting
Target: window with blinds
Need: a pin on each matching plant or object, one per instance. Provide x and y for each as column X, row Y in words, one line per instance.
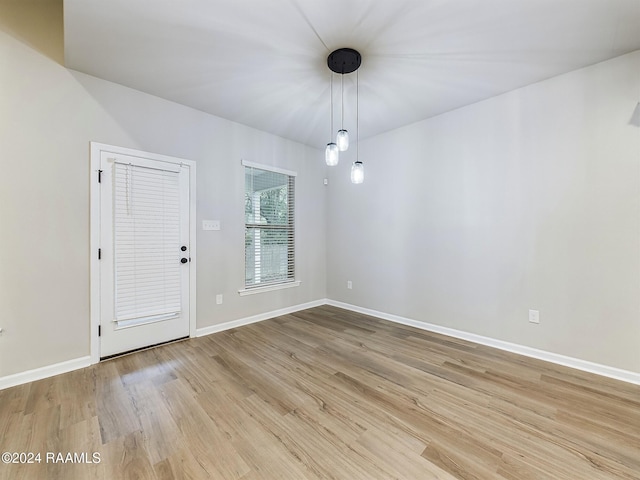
column 146, row 244
column 269, row 227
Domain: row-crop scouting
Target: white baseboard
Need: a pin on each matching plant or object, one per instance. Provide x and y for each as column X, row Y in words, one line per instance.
column 44, row 372
column 257, row 318
column 75, row 364
column 604, row 370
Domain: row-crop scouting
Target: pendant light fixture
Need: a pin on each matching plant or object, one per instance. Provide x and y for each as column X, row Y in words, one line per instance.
column 357, row 172
column 342, row 139
column 331, row 153
column 357, row 169
column 344, row 61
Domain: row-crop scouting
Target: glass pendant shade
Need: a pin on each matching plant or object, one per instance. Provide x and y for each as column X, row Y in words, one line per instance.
column 331, row 154
column 342, row 140
column 357, row 172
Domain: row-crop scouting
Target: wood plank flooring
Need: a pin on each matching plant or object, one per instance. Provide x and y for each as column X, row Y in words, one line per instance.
column 324, row 394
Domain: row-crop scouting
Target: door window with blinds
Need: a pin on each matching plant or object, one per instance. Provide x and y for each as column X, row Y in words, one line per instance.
column 269, row 241
column 146, row 229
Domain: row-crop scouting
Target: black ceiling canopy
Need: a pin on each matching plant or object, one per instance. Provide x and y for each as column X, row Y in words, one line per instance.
column 344, row 60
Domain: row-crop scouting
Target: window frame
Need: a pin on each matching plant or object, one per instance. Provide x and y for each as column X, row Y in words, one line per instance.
column 290, row 281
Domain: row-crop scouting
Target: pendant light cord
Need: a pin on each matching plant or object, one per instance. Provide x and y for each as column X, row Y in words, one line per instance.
column 357, row 116
column 331, row 104
column 342, row 100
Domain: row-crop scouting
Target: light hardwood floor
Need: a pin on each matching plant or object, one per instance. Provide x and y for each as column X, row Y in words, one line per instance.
column 325, row 394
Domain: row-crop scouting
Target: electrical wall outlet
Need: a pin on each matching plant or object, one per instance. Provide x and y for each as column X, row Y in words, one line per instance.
column 219, row 299
column 534, row 316
column 349, row 284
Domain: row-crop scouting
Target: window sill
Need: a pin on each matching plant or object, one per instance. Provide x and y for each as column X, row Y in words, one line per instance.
column 268, row 288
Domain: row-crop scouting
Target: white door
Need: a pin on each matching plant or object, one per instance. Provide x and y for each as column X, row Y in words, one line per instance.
column 144, row 252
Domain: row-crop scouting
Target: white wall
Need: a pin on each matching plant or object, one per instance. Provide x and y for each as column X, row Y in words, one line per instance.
column 48, row 116
column 529, row 200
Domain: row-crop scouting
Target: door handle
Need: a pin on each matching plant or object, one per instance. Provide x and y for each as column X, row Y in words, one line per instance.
column 183, row 248
column 184, row 260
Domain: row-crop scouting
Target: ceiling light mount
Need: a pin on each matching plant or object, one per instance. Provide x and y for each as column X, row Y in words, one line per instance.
column 344, row 60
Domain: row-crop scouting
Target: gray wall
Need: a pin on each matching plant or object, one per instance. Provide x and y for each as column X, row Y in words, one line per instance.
column 529, row 200
column 48, row 116
column 467, row 220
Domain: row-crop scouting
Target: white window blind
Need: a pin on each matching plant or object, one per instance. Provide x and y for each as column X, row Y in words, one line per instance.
column 269, row 227
column 146, row 243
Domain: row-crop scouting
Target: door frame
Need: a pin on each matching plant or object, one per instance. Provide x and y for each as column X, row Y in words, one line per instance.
column 94, row 235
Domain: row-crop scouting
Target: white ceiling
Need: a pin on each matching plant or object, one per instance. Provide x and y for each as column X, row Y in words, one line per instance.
column 263, row 62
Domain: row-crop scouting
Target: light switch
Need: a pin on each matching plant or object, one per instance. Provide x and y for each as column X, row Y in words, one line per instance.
column 211, row 225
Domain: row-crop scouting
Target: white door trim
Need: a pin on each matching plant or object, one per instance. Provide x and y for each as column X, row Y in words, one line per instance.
column 94, row 234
